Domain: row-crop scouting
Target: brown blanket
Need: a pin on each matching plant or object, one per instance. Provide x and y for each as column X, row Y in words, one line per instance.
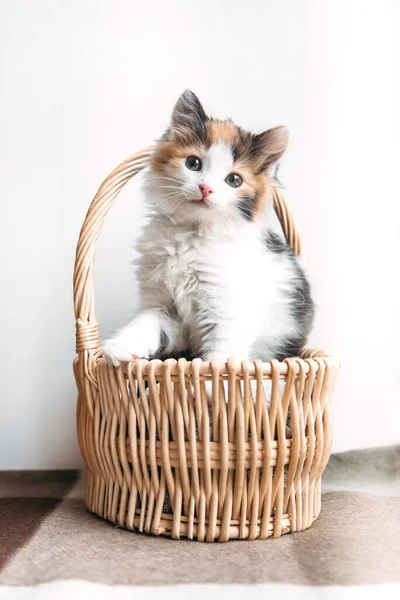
column 46, row 535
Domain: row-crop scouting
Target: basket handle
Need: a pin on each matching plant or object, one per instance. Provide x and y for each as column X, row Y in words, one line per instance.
column 87, row 329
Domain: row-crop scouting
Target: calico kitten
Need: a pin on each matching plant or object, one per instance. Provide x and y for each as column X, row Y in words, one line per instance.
column 215, row 281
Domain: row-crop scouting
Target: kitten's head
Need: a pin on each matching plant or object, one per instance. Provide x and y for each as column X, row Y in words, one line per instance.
column 204, row 169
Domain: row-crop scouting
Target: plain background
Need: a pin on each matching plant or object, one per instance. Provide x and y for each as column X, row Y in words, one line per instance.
column 86, row 83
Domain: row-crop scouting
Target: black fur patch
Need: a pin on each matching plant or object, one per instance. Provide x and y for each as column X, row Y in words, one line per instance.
column 235, row 152
column 250, row 149
column 160, row 352
column 276, row 244
column 289, row 348
column 301, row 303
column 163, row 341
column 189, row 119
column 247, row 206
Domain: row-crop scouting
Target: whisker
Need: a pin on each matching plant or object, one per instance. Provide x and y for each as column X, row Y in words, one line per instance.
column 161, row 187
column 162, row 177
column 170, row 194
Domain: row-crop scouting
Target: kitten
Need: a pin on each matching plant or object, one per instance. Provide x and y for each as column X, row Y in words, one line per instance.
column 214, row 280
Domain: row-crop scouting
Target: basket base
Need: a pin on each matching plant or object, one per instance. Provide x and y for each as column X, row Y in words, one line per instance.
column 106, row 500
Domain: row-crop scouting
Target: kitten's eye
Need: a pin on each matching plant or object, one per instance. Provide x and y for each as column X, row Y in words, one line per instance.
column 193, row 163
column 234, row 180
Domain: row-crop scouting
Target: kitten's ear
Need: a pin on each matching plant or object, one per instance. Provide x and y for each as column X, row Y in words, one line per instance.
column 188, row 116
column 271, row 145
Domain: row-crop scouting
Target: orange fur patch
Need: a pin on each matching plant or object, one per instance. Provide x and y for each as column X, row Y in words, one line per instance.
column 222, row 132
column 168, row 154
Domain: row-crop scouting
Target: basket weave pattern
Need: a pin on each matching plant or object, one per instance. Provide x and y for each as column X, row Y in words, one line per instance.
column 168, row 457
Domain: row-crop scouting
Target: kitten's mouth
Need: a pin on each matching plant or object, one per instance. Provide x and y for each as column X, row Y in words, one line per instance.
column 200, row 202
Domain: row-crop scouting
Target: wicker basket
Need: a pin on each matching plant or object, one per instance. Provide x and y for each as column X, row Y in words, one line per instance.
column 164, row 459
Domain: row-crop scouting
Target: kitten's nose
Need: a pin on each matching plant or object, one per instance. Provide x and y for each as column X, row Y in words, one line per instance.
column 205, row 190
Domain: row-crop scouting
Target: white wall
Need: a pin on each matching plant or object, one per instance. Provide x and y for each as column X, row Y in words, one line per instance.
column 86, row 83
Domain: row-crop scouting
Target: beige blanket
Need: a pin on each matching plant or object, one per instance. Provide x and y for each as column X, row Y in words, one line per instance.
column 48, row 539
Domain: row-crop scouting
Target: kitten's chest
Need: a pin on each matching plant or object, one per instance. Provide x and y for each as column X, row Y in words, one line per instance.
column 197, row 271
column 184, row 265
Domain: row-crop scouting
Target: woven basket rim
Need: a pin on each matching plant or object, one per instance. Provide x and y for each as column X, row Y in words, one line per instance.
column 203, row 366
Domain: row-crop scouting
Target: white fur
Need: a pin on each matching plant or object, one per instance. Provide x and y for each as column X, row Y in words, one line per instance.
column 206, row 278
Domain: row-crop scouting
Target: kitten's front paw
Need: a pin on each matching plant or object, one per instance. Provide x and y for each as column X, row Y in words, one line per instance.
column 117, row 353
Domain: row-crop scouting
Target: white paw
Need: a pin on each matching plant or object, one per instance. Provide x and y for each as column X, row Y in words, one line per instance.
column 118, row 352
column 115, row 353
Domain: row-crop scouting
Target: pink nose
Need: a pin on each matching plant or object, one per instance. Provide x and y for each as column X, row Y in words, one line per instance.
column 205, row 190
